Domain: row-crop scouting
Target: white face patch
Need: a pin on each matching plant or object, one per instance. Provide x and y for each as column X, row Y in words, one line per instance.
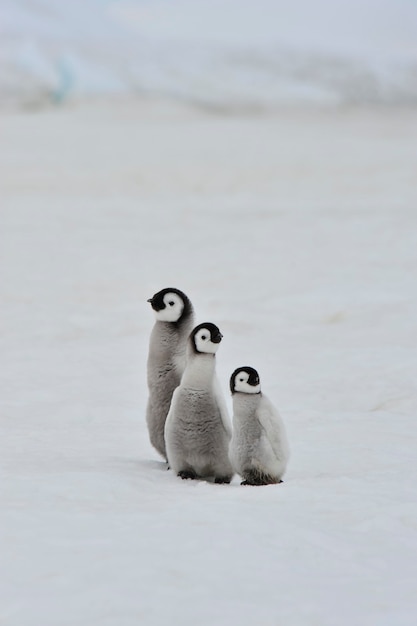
column 241, row 383
column 174, row 307
column 203, row 342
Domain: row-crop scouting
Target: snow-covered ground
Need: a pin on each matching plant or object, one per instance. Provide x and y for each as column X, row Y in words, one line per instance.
column 296, row 234
column 237, row 54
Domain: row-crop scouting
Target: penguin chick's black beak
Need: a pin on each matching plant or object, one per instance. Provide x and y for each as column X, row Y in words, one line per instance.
column 217, row 338
column 152, row 303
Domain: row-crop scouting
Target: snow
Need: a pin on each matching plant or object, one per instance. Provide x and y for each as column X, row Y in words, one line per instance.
column 296, row 234
column 236, row 54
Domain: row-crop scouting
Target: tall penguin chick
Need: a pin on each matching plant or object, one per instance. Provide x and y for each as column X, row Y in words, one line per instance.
column 197, row 430
column 259, row 449
column 166, row 359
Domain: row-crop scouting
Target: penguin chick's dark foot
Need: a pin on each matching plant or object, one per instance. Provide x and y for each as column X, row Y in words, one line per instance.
column 257, row 478
column 260, row 483
column 184, row 474
column 222, row 480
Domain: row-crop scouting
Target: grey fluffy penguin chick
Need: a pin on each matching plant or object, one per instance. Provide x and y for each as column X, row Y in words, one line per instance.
column 259, row 449
column 167, row 357
column 197, row 430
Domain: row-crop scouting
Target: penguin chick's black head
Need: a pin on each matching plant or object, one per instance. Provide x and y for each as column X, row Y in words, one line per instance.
column 171, row 305
column 205, row 338
column 245, row 379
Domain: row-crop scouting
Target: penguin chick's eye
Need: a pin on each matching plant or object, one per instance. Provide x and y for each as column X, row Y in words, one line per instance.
column 203, row 337
column 171, row 303
column 241, row 380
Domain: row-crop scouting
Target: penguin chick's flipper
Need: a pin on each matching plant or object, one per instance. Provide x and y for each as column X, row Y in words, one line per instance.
column 184, row 474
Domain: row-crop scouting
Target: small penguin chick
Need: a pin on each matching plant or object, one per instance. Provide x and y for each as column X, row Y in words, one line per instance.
column 259, row 449
column 197, row 429
column 174, row 319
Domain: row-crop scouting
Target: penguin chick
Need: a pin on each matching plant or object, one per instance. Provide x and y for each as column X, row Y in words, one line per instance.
column 197, row 429
column 259, row 449
column 166, row 359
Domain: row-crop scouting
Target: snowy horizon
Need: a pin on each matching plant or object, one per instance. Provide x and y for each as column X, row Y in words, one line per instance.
column 216, row 53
